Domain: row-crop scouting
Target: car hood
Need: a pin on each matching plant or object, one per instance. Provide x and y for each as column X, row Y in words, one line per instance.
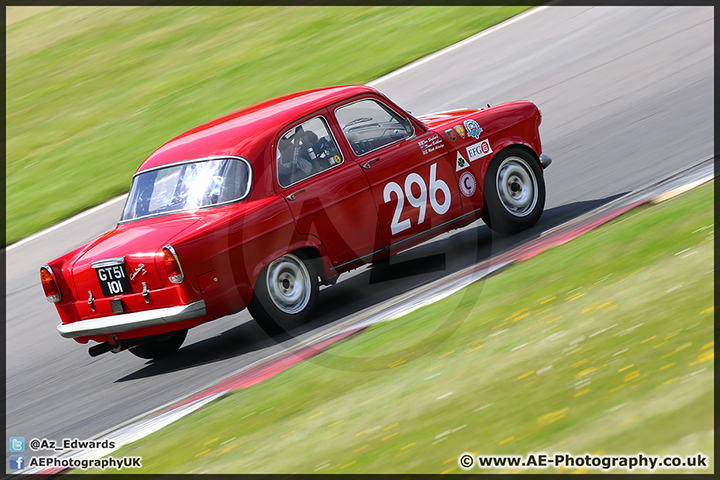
column 139, row 242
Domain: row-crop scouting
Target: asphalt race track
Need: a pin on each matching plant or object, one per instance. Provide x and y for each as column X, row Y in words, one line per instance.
column 626, row 96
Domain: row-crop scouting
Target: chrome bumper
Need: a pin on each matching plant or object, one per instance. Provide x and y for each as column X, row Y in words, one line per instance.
column 132, row 321
column 545, row 161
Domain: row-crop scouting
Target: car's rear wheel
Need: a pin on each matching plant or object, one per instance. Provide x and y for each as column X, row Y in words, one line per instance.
column 159, row 346
column 514, row 192
column 285, row 293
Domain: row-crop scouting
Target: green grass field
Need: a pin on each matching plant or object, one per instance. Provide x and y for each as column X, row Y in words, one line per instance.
column 603, row 345
column 92, row 91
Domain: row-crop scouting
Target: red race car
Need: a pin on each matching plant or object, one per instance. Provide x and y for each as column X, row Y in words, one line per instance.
column 258, row 208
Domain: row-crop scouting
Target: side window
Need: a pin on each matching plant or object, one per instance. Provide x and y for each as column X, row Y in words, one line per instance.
column 369, row 125
column 306, row 150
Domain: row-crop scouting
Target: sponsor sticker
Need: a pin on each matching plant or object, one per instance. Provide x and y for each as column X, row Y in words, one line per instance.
column 460, row 130
column 473, row 128
column 467, row 184
column 479, row 150
column 337, row 159
column 451, row 134
column 461, row 163
column 430, row 144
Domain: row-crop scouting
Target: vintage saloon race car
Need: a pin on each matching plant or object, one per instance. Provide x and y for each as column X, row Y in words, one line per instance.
column 258, row 208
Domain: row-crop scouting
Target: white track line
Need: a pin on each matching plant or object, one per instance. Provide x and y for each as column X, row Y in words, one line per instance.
column 66, row 222
column 402, row 70
column 131, row 433
column 455, row 46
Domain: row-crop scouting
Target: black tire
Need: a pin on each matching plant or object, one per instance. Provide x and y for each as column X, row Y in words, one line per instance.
column 159, row 346
column 513, row 192
column 285, row 294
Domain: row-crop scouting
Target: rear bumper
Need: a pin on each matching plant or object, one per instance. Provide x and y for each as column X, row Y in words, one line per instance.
column 132, row 321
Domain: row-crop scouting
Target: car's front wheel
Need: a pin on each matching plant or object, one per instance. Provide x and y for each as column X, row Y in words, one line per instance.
column 514, row 192
column 159, row 346
column 285, row 293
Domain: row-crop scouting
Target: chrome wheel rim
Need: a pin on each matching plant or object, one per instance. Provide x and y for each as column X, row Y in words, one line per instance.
column 288, row 282
column 517, row 186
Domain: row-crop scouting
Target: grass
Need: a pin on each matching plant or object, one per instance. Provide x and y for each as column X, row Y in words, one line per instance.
column 92, row 91
column 603, row 345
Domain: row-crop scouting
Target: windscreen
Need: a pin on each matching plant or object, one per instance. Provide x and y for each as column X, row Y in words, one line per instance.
column 187, row 186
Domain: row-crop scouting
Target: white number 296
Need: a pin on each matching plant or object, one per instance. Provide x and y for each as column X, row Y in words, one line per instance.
column 397, row 225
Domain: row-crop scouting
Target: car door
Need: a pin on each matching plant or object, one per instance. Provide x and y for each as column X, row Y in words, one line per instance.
column 409, row 171
column 329, row 197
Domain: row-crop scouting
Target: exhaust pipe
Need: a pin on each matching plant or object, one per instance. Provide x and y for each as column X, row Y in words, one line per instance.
column 105, row 347
column 100, row 348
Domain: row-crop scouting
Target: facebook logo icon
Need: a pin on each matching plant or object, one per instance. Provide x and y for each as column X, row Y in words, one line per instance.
column 17, row 444
column 17, row 462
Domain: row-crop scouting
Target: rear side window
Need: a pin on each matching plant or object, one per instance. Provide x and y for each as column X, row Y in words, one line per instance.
column 369, row 125
column 188, row 186
column 306, row 150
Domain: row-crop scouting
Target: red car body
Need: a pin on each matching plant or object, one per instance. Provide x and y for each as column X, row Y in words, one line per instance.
column 373, row 201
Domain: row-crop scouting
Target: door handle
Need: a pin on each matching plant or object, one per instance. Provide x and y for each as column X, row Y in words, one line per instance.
column 367, row 165
column 291, row 197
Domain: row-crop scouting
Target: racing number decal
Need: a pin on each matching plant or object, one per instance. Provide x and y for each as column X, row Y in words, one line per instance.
column 397, row 225
column 435, row 184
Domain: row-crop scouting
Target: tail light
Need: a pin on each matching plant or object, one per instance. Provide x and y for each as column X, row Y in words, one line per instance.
column 52, row 290
column 172, row 264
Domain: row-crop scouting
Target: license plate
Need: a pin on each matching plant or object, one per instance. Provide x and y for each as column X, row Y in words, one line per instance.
column 113, row 280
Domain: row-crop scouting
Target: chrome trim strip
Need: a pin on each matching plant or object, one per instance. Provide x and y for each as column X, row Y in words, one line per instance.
column 337, row 146
column 173, row 212
column 184, row 162
column 409, row 137
column 132, row 321
column 49, row 269
column 408, row 239
column 108, row 262
column 194, row 160
column 177, row 260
